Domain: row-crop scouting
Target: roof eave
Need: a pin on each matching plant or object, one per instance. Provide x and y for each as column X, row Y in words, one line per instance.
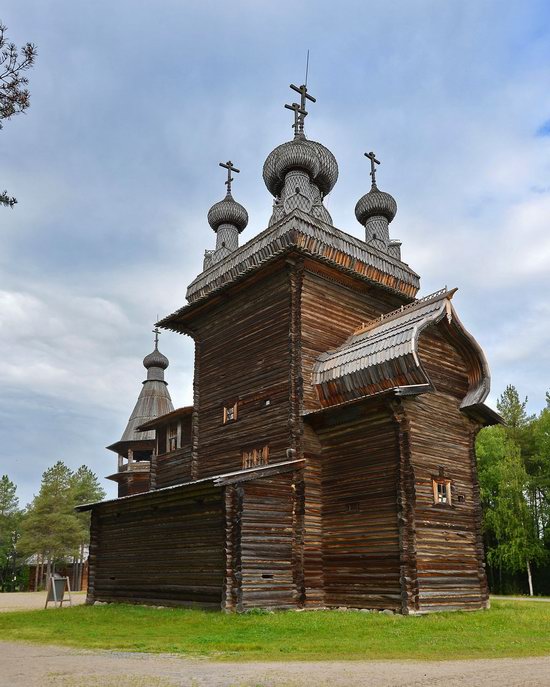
column 221, row 480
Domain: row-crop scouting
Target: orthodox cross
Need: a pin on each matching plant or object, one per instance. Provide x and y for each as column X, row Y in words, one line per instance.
column 297, row 113
column 229, row 167
column 156, row 332
column 373, row 162
column 304, row 96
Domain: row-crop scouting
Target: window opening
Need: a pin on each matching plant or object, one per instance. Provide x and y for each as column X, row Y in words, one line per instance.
column 255, row 457
column 172, row 438
column 442, row 491
column 230, row 413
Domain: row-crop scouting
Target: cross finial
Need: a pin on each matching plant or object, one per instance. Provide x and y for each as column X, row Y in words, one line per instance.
column 156, row 332
column 302, row 112
column 298, row 112
column 230, row 168
column 373, row 163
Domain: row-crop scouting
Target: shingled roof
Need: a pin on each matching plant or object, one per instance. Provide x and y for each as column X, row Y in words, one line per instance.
column 311, row 236
column 384, row 354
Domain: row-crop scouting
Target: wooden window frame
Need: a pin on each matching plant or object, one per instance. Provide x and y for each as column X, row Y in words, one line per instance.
column 226, row 410
column 436, row 483
column 172, row 439
column 255, row 457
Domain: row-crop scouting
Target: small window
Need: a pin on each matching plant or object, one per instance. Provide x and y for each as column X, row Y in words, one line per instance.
column 255, row 457
column 442, row 491
column 229, row 413
column 172, row 438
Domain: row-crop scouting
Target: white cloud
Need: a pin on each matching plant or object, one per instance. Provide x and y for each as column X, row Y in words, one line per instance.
column 115, row 167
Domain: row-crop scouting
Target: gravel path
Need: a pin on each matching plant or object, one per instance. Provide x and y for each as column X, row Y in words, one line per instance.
column 30, row 601
column 31, row 665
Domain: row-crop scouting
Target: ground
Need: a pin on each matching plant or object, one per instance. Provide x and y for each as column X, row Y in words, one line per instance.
column 24, row 665
column 271, row 650
column 29, row 601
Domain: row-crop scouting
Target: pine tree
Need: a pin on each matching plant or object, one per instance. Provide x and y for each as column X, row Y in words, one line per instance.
column 85, row 488
column 512, row 410
column 51, row 528
column 14, row 96
column 10, row 532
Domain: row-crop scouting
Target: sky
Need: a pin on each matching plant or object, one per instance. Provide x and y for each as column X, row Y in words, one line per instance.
column 115, row 165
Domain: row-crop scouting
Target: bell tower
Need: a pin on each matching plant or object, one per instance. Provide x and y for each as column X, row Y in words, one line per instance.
column 135, row 448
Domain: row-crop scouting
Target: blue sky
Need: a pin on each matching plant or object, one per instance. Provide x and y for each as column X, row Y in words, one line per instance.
column 115, row 165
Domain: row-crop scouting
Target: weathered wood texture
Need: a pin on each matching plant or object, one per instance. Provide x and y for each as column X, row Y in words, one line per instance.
column 133, row 483
column 173, row 467
column 449, row 550
column 332, row 308
column 444, row 365
column 243, row 350
column 360, row 514
column 406, row 500
column 269, row 524
column 312, row 555
column 161, row 548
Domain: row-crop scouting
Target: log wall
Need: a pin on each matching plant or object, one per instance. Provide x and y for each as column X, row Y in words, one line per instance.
column 330, row 312
column 162, row 548
column 448, row 545
column 172, row 468
column 244, row 353
column 361, row 551
column 444, row 365
column 175, row 467
column 133, row 483
column 267, row 542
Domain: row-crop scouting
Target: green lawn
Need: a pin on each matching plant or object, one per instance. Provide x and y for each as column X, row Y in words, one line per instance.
column 508, row 629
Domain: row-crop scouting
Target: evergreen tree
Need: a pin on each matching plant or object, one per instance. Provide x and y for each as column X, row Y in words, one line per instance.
column 10, row 532
column 540, row 473
column 85, row 488
column 513, row 411
column 14, row 96
column 50, row 527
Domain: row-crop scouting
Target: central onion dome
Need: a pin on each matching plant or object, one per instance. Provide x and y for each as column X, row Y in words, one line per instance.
column 301, row 154
column 375, row 203
column 155, row 359
column 227, row 211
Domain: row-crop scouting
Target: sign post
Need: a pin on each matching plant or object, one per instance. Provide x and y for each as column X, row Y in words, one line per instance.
column 57, row 586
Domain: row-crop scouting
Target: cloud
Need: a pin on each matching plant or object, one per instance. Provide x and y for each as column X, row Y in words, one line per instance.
column 115, row 167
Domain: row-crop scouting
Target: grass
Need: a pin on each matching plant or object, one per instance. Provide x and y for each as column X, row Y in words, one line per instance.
column 509, row 629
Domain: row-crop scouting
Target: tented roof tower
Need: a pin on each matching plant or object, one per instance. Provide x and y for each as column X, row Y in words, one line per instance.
column 135, row 446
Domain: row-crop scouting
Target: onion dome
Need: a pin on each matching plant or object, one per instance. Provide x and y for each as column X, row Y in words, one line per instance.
column 309, row 156
column 375, row 203
column 227, row 211
column 155, row 359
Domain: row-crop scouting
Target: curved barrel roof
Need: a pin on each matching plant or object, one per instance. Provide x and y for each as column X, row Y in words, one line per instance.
column 384, row 354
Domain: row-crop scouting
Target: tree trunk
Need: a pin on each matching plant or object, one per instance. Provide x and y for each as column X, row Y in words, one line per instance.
column 81, row 568
column 41, row 572
column 529, row 577
column 36, row 573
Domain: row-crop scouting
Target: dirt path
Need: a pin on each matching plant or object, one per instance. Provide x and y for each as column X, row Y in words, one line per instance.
column 31, row 665
column 30, row 601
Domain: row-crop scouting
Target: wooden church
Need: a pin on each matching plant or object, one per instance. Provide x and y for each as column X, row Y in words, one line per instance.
column 328, row 458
